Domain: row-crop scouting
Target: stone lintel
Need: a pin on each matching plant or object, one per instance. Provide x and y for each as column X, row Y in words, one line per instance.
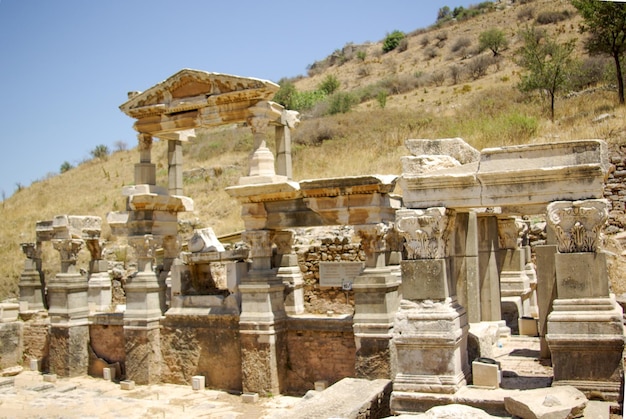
column 348, row 185
column 158, row 202
column 529, row 175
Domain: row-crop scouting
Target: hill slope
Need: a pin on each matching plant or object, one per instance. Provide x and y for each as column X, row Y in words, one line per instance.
column 430, row 103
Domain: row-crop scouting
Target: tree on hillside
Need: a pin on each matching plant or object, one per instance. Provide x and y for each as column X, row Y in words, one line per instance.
column 493, row 39
column 548, row 64
column 605, row 21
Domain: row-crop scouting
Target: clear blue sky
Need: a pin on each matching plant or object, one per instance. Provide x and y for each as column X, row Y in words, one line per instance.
column 67, row 65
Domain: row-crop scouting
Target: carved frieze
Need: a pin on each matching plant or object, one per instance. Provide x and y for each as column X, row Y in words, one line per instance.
column 426, row 232
column 577, row 224
column 31, row 250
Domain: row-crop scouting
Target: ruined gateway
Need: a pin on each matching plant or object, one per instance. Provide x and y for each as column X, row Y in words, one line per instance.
column 429, row 269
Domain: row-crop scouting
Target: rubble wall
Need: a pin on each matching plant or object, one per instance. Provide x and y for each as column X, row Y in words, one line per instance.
column 615, row 189
column 319, row 349
column 333, row 244
column 37, row 341
column 201, row 345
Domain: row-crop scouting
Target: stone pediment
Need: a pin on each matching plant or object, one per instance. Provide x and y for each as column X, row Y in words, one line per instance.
column 193, row 89
column 191, row 99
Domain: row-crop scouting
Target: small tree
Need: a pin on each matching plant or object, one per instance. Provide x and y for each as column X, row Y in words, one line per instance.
column 65, row 167
column 606, row 23
column 392, row 40
column 100, row 152
column 493, row 39
column 547, row 62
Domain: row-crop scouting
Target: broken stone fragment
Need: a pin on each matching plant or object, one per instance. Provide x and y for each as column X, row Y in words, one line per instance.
column 561, row 402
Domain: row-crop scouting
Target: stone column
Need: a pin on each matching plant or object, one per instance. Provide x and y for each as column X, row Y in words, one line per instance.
column 175, row 167
column 515, row 290
column 145, row 170
column 289, row 271
column 99, row 294
column 465, row 264
column 262, row 320
column 376, row 299
column 67, row 293
column 546, row 292
column 32, row 286
column 288, row 121
column 430, row 328
column 144, row 293
column 489, row 280
column 585, row 331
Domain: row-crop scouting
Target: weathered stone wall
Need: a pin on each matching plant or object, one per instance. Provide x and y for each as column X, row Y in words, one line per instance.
column 202, row 345
column 615, row 188
column 11, row 344
column 333, row 244
column 319, row 349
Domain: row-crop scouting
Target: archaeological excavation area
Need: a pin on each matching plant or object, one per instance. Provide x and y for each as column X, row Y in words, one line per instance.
column 424, row 274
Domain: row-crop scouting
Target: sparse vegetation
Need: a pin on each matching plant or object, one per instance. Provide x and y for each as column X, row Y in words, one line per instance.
column 65, row 167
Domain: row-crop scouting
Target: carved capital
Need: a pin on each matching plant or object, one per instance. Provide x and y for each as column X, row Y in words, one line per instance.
column 94, row 245
column 373, row 237
column 577, row 224
column 145, row 250
column 31, row 250
column 511, row 232
column 284, row 241
column 260, row 242
column 426, row 232
column 69, row 250
column 144, row 141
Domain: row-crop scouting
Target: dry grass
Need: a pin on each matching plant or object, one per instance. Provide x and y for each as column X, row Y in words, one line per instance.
column 486, row 112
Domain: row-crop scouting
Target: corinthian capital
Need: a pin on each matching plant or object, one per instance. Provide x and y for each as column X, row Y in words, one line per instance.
column 511, row 232
column 426, row 231
column 577, row 224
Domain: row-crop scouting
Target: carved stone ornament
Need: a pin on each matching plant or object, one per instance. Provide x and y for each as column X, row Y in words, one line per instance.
column 511, row 232
column 577, row 224
column 426, row 231
column 260, row 242
column 284, row 241
column 373, row 237
column 95, row 247
column 69, row 250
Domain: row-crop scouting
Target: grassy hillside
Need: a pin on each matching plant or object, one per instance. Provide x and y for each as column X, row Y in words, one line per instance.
column 435, row 95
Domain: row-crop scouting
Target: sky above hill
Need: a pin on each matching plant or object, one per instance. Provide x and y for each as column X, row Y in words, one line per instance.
column 67, row 65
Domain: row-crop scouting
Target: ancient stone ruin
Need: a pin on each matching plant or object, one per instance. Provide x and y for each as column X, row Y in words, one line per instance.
column 430, row 279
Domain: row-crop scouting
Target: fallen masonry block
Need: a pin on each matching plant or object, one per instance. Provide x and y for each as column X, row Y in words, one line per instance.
column 127, row 385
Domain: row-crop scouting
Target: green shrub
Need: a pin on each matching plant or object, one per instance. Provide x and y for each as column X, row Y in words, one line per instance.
column 381, row 98
column 341, row 102
column 65, row 167
column 329, row 85
column 100, row 152
column 546, row 18
column 361, row 55
column 392, row 40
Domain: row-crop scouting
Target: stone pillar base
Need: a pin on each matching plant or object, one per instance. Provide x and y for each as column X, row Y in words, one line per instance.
column 430, row 339
column 69, row 355
column 143, row 353
column 586, row 340
column 263, row 358
column 31, row 291
column 376, row 298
